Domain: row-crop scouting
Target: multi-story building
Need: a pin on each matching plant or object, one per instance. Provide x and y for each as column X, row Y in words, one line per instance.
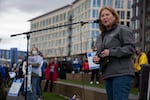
column 11, row 56
column 74, row 38
column 54, row 41
column 141, row 23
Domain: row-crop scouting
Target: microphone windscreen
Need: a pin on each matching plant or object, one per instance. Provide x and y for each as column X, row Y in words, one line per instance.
column 96, row 21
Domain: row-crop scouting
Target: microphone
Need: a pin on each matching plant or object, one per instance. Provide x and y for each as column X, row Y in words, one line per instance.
column 91, row 21
column 13, row 35
column 96, row 21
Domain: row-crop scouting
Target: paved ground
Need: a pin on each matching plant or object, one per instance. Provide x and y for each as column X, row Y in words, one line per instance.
column 15, row 98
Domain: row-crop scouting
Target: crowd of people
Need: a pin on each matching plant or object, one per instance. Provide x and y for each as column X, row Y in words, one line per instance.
column 42, row 69
column 48, row 70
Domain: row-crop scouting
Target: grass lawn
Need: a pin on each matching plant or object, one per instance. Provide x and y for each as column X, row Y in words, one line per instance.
column 133, row 90
column 52, row 96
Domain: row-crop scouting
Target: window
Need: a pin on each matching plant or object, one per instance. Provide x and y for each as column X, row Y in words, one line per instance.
column 107, row 2
column 94, row 34
column 128, row 14
column 119, row 3
column 94, row 13
column 122, row 22
column 129, row 4
column 128, row 24
column 94, row 25
column 96, row 3
column 137, row 11
column 121, row 14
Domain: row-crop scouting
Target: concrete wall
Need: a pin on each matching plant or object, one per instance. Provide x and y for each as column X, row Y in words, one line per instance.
column 82, row 77
column 85, row 92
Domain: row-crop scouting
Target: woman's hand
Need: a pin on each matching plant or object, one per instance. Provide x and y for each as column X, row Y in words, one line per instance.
column 105, row 53
column 96, row 59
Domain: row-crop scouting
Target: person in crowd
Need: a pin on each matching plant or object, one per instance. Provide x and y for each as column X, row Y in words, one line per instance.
column 95, row 72
column 35, row 60
column 14, row 69
column 20, row 73
column 3, row 72
column 76, row 65
column 58, row 67
column 7, row 70
column 86, row 66
column 26, row 75
column 2, row 90
column 44, row 66
column 148, row 56
column 115, row 47
column 51, row 74
column 19, row 68
column 141, row 58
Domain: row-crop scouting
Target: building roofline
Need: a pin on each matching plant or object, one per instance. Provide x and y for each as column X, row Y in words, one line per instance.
column 50, row 12
column 75, row 1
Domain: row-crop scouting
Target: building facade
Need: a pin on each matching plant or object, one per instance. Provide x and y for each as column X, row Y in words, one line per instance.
column 11, row 56
column 71, row 31
column 141, row 23
column 55, row 41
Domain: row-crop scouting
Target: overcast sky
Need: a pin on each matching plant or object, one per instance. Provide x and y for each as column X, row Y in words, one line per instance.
column 14, row 16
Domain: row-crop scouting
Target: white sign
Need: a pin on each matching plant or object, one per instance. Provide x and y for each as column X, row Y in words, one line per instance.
column 15, row 87
column 12, row 74
column 92, row 65
column 29, row 87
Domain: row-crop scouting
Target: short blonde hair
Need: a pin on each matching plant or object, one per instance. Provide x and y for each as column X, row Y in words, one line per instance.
column 114, row 13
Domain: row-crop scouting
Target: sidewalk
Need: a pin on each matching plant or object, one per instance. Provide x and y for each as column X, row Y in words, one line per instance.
column 20, row 97
column 15, row 98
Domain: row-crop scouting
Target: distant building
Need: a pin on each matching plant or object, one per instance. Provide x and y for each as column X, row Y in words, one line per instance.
column 75, row 38
column 141, row 22
column 11, row 56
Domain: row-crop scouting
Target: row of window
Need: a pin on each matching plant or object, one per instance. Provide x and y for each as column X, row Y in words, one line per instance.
column 122, row 14
column 50, row 21
column 118, row 3
column 56, row 52
column 81, row 8
column 64, row 50
column 81, row 35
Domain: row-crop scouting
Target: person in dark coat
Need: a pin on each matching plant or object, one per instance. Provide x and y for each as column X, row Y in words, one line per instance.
column 115, row 47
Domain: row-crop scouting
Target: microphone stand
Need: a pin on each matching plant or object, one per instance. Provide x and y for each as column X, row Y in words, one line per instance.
column 28, row 38
column 80, row 22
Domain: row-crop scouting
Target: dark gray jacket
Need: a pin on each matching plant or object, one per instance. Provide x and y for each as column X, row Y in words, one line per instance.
column 120, row 41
